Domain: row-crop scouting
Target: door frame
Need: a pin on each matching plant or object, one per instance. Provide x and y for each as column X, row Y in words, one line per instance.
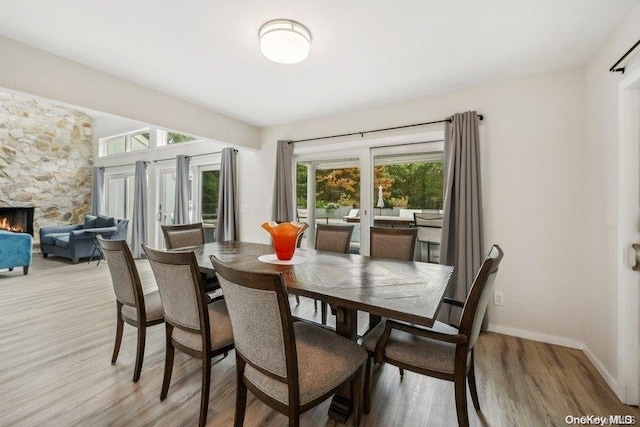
column 628, row 232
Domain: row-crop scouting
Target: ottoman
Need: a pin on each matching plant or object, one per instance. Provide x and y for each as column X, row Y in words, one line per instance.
column 15, row 250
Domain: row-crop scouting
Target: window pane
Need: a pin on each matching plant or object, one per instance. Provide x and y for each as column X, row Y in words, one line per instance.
column 140, row 141
column 209, row 203
column 176, row 138
column 115, row 145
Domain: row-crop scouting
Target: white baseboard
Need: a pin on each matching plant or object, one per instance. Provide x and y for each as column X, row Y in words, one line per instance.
column 549, row 339
column 604, row 373
column 565, row 342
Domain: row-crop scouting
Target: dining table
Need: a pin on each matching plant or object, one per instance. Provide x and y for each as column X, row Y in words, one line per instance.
column 400, row 290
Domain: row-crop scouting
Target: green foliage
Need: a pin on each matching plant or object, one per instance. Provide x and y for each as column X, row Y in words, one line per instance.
column 174, row 138
column 210, row 184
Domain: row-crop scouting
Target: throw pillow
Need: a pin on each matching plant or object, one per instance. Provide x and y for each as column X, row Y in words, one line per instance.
column 105, row 221
column 90, row 221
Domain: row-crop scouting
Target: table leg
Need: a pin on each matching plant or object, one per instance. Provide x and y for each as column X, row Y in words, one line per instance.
column 342, row 403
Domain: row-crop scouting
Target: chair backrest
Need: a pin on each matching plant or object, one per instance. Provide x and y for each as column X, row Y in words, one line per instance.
column 181, row 290
column 353, row 213
column 476, row 304
column 261, row 319
column 121, row 230
column 124, row 273
column 429, row 227
column 182, row 236
column 333, row 238
column 393, row 243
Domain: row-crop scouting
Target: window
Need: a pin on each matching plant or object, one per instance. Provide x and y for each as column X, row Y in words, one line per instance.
column 128, row 142
column 166, row 137
column 119, row 197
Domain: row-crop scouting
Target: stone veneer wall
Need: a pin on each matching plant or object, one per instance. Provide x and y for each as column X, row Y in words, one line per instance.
column 45, row 152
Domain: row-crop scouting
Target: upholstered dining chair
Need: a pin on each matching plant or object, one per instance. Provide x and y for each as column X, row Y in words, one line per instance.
column 332, row 238
column 290, row 366
column 393, row 243
column 184, row 236
column 193, row 327
column 132, row 305
column 443, row 351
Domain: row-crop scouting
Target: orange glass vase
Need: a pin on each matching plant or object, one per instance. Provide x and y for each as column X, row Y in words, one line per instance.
column 285, row 237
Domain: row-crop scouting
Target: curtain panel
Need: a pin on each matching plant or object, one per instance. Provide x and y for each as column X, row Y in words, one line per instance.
column 97, row 192
column 282, row 206
column 227, row 212
column 139, row 220
column 462, row 227
column 181, row 212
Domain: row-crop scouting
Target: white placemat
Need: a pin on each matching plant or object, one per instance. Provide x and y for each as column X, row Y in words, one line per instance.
column 273, row 259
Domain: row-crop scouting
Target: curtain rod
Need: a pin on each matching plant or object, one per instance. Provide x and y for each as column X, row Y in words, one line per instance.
column 194, row 155
column 448, row 120
column 613, row 69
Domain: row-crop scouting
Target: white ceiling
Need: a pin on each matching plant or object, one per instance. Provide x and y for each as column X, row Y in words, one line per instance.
column 364, row 52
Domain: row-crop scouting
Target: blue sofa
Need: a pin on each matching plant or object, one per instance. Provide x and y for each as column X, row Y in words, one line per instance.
column 76, row 241
column 15, row 250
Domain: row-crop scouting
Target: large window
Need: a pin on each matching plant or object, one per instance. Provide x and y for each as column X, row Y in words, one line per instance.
column 119, row 197
column 209, row 186
column 125, row 143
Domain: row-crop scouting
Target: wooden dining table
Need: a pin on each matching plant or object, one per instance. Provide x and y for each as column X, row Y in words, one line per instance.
column 401, row 290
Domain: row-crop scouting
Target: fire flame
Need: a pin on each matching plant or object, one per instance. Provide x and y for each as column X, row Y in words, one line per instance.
column 5, row 225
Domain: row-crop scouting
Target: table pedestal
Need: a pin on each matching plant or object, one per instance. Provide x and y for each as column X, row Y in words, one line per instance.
column 342, row 403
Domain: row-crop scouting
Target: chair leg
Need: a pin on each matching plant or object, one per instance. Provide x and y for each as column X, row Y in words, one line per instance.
column 119, row 330
column 241, row 393
column 168, row 363
column 356, row 393
column 315, row 305
column 367, row 386
column 294, row 419
column 460, row 385
column 471, row 378
column 401, row 373
column 142, row 334
column 206, row 382
column 324, row 308
column 25, row 270
column 297, row 299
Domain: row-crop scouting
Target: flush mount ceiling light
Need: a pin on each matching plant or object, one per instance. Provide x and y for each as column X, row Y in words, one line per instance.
column 285, row 41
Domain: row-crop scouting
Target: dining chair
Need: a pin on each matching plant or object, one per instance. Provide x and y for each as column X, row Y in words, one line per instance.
column 290, row 366
column 393, row 243
column 184, row 236
column 429, row 231
column 332, row 238
column 443, row 351
column 194, row 327
column 132, row 305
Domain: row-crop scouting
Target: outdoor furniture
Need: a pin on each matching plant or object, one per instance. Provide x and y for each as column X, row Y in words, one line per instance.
column 132, row 305
column 194, row 327
column 78, row 240
column 15, row 250
column 304, row 214
column 429, row 231
column 442, row 351
column 407, row 291
column 353, row 213
column 290, row 366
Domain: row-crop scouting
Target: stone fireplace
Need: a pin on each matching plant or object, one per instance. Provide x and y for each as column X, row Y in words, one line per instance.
column 17, row 219
column 45, row 152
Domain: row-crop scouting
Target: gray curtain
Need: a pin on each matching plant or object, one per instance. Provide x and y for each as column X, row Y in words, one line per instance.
column 462, row 227
column 227, row 213
column 139, row 220
column 97, row 192
column 282, row 206
column 181, row 213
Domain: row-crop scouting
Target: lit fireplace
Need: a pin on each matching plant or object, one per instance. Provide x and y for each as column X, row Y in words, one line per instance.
column 17, row 219
column 6, row 225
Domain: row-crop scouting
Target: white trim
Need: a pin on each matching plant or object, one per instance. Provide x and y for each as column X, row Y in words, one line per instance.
column 535, row 336
column 609, row 379
column 627, row 233
column 565, row 342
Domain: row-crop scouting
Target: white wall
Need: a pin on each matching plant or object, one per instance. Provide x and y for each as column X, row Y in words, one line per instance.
column 532, row 152
column 600, row 197
column 35, row 72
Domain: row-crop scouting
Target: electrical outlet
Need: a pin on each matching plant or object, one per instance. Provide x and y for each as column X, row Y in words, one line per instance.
column 498, row 298
column 244, row 209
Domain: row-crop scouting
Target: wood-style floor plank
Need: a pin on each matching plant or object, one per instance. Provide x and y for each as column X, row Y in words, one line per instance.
column 56, row 340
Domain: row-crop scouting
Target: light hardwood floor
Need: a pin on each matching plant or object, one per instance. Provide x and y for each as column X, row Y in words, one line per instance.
column 56, row 338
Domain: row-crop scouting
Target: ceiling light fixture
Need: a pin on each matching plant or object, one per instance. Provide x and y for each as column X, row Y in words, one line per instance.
column 285, row 41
